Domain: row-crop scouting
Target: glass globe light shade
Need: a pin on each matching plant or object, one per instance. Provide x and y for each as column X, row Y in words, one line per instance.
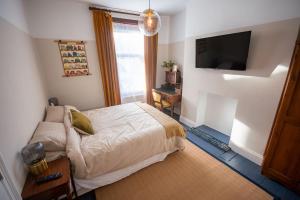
column 33, row 153
column 149, row 22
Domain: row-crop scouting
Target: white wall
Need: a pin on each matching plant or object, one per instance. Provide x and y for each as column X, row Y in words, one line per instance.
column 257, row 95
column 203, row 17
column 66, row 20
column 177, row 27
column 162, row 55
column 176, row 38
column 70, row 20
column 23, row 97
column 220, row 112
column 164, row 34
column 258, row 89
column 266, row 69
column 163, row 49
column 59, row 19
column 84, row 92
column 214, row 110
column 13, row 12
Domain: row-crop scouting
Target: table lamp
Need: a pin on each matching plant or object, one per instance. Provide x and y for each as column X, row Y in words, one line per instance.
column 34, row 157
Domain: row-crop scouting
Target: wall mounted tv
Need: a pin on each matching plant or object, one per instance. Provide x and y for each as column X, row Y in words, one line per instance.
column 223, row 52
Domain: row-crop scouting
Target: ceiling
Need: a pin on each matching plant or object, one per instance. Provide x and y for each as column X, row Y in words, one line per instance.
column 164, row 7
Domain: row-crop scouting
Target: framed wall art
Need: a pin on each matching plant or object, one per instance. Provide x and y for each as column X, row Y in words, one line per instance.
column 73, row 57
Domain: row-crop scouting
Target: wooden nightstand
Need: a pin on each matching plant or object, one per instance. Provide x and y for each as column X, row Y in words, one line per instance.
column 54, row 188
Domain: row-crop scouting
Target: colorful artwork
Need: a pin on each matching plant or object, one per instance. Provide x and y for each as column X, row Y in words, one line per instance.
column 73, row 57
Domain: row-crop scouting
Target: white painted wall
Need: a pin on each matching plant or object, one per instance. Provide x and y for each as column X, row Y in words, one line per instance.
column 177, row 37
column 257, row 90
column 203, row 17
column 164, row 34
column 59, row 19
column 220, row 112
column 84, row 92
column 23, row 96
column 162, row 55
column 71, row 20
column 164, row 7
column 177, row 27
column 13, row 12
column 213, row 110
column 163, row 49
column 64, row 19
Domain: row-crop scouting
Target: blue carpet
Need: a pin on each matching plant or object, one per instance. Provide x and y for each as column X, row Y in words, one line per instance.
column 216, row 134
column 209, row 138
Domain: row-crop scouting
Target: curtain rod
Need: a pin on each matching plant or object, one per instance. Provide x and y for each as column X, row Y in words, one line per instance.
column 114, row 10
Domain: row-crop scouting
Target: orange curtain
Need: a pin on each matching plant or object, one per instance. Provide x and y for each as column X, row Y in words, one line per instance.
column 107, row 57
column 150, row 65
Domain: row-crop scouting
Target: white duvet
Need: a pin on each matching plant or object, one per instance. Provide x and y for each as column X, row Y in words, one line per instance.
column 124, row 135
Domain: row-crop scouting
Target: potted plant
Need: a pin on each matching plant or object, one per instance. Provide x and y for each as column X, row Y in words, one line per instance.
column 168, row 65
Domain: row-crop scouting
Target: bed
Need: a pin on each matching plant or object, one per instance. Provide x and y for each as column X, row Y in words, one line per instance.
column 127, row 138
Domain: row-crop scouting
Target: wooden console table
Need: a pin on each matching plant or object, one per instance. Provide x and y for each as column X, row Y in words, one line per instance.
column 170, row 96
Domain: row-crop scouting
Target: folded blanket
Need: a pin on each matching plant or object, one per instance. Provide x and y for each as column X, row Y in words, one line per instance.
column 171, row 126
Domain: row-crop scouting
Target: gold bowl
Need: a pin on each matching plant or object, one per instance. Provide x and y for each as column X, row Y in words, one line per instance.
column 38, row 168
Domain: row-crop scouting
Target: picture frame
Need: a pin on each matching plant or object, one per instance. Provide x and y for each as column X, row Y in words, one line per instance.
column 73, row 57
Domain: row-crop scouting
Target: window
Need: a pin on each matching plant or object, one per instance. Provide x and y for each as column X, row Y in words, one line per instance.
column 129, row 44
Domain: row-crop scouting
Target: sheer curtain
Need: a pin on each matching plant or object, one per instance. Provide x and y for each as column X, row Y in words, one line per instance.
column 129, row 44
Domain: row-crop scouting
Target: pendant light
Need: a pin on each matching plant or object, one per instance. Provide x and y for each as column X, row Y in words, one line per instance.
column 149, row 22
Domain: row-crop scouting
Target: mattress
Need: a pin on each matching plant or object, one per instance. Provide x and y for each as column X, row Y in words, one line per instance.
column 125, row 136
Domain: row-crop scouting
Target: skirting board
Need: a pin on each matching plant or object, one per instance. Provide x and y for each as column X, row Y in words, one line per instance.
column 187, row 121
column 247, row 153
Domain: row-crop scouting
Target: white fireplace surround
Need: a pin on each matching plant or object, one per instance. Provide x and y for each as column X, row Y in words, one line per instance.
column 216, row 111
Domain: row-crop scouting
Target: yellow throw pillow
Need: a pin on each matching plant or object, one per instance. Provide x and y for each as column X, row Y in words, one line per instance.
column 81, row 123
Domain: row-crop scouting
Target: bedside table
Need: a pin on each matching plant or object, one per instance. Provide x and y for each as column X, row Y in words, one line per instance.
column 54, row 188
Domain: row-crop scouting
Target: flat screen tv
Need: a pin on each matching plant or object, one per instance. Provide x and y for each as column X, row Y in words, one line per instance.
column 223, row 52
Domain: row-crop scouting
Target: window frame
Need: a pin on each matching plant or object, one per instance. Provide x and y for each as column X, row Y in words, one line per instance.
column 125, row 21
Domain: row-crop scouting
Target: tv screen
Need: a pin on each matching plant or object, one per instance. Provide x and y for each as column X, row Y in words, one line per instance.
column 224, row 51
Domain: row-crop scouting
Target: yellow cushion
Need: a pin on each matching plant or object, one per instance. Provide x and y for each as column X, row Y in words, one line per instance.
column 81, row 123
column 156, row 96
column 157, row 104
column 165, row 104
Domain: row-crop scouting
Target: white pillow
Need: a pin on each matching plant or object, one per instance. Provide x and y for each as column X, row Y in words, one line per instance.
column 67, row 118
column 52, row 135
column 55, row 114
column 68, row 108
column 54, row 155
